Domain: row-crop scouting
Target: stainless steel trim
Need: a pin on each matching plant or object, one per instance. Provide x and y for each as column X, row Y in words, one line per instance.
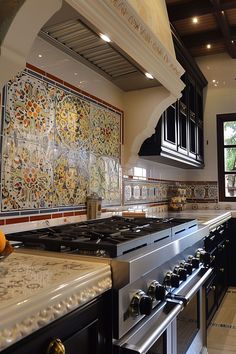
column 152, row 256
column 199, row 284
column 146, row 333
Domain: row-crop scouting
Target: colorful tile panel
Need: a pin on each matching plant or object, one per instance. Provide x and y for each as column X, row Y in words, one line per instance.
column 57, row 146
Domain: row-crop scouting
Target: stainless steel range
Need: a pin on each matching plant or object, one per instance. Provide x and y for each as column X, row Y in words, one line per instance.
column 158, row 266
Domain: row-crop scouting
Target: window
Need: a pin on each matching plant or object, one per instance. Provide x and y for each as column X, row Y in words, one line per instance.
column 226, row 139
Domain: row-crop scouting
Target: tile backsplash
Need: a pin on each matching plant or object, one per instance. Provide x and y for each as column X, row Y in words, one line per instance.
column 58, row 145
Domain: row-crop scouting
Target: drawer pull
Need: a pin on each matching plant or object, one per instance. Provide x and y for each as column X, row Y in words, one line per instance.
column 213, row 287
column 56, row 347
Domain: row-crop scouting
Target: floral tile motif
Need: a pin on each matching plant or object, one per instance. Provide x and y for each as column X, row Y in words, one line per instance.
column 53, row 140
column 72, row 121
column 71, row 180
column 105, row 178
column 27, row 171
column 29, row 109
column 105, row 135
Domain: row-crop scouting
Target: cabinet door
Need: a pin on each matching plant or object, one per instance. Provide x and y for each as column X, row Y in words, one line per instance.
column 83, row 331
column 169, row 138
column 192, row 138
column 183, row 129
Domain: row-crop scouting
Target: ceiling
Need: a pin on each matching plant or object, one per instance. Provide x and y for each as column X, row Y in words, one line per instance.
column 216, row 25
column 70, row 33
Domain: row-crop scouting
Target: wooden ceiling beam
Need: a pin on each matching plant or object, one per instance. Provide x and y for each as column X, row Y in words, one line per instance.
column 223, row 23
column 202, row 38
column 195, row 8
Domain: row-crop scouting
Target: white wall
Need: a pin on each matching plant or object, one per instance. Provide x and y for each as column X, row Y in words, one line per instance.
column 218, row 99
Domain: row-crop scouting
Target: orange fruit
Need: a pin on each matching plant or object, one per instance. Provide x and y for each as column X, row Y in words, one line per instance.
column 2, row 241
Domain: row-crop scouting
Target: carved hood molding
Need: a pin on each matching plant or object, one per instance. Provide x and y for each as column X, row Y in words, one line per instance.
column 126, row 28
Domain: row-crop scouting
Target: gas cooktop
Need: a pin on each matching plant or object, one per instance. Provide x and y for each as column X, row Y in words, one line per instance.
column 108, row 237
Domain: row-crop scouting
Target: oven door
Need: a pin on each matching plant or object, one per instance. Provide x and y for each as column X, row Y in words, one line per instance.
column 153, row 335
column 191, row 322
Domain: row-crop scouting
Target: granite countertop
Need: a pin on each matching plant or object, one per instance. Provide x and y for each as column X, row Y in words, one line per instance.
column 36, row 289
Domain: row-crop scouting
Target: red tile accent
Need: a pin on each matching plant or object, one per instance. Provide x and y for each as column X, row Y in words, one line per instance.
column 17, row 220
column 82, row 212
column 70, row 213
column 52, row 77
column 58, row 215
column 74, row 88
column 34, row 68
column 2, row 222
column 40, row 217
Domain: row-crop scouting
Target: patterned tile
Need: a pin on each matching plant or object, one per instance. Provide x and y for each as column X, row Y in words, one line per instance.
column 105, row 178
column 27, row 175
column 105, row 137
column 53, row 140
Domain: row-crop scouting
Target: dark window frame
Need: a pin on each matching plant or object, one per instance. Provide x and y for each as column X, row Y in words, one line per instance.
column 221, row 118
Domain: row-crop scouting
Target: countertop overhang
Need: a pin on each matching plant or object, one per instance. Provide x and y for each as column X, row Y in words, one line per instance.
column 36, row 289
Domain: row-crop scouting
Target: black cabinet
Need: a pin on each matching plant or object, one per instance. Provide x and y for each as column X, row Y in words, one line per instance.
column 178, row 138
column 86, row 330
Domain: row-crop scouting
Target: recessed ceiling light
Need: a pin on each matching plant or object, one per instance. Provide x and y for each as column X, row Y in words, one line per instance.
column 40, row 55
column 105, row 37
column 232, row 41
column 213, row 80
column 149, row 76
column 222, row 12
column 195, row 20
column 208, row 46
column 75, row 74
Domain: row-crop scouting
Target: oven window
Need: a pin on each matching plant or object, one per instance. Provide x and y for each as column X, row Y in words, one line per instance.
column 188, row 324
column 160, row 345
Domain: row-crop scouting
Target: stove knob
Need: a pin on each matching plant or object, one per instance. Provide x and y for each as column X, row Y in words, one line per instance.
column 203, row 256
column 145, row 305
column 141, row 304
column 181, row 272
column 157, row 291
column 172, row 279
column 194, row 262
column 187, row 266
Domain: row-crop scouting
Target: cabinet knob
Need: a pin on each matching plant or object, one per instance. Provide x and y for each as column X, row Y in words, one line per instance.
column 56, row 347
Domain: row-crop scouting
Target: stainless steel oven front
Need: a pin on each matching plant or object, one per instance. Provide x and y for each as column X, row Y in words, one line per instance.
column 176, row 326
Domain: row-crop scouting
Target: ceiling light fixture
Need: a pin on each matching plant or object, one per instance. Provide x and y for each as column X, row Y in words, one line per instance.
column 75, row 74
column 195, row 20
column 213, row 80
column 105, row 37
column 40, row 55
column 232, row 41
column 149, row 76
column 208, row 46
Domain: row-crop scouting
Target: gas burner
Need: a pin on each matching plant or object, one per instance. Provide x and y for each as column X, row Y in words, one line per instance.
column 112, row 236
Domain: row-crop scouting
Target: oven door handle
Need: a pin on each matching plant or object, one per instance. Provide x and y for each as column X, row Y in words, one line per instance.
column 150, row 331
column 198, row 285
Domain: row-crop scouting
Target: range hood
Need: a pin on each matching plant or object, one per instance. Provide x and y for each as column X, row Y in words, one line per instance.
column 141, row 34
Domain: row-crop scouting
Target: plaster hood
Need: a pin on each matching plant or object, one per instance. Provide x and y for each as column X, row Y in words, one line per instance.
column 141, row 30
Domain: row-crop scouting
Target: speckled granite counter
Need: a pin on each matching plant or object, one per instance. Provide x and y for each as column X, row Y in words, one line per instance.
column 36, row 289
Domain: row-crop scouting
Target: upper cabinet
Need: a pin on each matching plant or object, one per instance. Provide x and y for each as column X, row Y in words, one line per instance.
column 178, row 138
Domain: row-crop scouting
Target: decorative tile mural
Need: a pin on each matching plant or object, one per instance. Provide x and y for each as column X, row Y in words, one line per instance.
column 58, row 146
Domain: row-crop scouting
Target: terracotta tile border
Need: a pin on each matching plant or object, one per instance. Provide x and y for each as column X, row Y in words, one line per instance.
column 40, row 217
column 58, row 215
column 17, row 220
